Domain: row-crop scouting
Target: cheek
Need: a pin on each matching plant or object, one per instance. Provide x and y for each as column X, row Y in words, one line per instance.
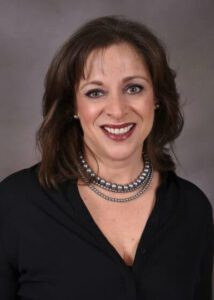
column 149, row 117
column 145, row 112
column 88, row 114
column 150, row 112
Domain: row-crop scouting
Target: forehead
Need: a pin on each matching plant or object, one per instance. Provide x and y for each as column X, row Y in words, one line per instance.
column 115, row 59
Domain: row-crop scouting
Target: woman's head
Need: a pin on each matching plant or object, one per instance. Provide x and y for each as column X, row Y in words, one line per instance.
column 60, row 136
column 115, row 103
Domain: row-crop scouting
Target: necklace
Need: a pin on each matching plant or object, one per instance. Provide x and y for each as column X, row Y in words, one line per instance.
column 142, row 186
column 113, row 199
column 140, row 181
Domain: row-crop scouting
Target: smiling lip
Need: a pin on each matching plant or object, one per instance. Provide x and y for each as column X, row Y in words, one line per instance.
column 117, row 126
column 121, row 136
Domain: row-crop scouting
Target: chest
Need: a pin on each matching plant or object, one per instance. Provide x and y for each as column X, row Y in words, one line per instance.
column 58, row 259
column 122, row 224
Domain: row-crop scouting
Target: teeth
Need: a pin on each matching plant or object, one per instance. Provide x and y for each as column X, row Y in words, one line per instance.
column 118, row 130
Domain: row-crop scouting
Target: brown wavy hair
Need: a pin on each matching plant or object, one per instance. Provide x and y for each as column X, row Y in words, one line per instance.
column 60, row 136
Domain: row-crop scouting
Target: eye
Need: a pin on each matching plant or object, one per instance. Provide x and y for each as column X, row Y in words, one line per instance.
column 95, row 93
column 134, row 89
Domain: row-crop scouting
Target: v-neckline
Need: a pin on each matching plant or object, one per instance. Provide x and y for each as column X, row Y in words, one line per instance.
column 146, row 236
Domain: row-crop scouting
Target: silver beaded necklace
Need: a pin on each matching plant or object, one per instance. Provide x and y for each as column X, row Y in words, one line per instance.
column 142, row 182
column 114, row 187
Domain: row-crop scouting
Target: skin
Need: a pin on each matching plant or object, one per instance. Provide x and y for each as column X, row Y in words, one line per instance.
column 116, row 89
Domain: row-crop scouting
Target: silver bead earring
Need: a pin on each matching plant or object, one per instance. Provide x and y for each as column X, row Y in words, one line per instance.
column 157, row 106
column 76, row 116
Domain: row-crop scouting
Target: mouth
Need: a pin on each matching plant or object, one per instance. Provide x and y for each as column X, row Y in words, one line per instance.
column 118, row 132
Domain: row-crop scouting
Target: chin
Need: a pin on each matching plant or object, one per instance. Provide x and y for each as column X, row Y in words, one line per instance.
column 121, row 154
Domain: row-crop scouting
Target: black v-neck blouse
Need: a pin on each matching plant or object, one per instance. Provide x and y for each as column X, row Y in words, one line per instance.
column 51, row 248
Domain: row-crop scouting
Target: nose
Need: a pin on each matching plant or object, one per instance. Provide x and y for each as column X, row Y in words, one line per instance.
column 117, row 107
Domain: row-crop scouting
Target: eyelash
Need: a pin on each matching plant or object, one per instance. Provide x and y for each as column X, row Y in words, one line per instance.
column 89, row 93
column 101, row 92
column 138, row 86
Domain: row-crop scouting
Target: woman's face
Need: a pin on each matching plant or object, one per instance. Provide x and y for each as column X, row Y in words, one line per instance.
column 115, row 102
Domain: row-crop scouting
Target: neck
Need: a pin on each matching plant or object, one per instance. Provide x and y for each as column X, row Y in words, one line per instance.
column 118, row 171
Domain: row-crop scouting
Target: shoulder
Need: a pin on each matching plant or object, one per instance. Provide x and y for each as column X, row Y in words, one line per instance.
column 192, row 196
column 19, row 179
column 15, row 187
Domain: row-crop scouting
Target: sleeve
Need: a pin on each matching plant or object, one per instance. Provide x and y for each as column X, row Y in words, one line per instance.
column 204, row 287
column 8, row 273
column 8, row 280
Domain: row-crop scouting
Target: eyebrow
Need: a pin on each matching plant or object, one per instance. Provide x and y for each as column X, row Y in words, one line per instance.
column 128, row 78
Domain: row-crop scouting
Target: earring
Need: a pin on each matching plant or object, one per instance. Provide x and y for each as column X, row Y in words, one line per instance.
column 157, row 106
column 75, row 116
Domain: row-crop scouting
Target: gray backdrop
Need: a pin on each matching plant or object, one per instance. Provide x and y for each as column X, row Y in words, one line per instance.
column 32, row 30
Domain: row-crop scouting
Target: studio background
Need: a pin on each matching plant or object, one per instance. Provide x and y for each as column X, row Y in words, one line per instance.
column 32, row 30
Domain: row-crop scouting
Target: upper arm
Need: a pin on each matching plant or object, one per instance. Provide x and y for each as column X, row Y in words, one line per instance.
column 203, row 289
column 8, row 241
column 8, row 278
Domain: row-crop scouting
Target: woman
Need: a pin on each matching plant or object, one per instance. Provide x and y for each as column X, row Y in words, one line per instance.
column 104, row 215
